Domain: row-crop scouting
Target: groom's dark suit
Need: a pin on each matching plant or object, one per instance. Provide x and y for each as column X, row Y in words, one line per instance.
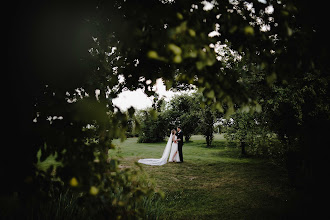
column 180, row 144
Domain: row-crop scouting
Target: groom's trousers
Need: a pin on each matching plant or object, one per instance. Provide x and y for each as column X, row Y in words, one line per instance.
column 180, row 152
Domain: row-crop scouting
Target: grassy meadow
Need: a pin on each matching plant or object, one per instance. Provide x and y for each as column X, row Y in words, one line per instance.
column 212, row 183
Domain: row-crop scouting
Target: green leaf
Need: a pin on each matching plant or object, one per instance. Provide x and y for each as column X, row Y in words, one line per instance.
column 152, row 54
column 175, row 49
column 245, row 108
column 233, row 29
column 285, row 13
column 271, row 78
column 230, row 111
column 168, row 84
column 177, row 59
column 192, row 54
column 290, row 32
column 153, row 114
column 218, row 106
column 179, row 15
column 258, row 108
column 248, row 30
column 210, row 94
column 200, row 65
column 192, row 33
column 210, row 60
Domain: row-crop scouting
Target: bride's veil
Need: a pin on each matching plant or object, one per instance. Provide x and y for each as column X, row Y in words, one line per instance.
column 163, row 159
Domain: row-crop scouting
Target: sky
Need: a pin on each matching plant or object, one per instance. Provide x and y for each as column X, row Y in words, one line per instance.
column 139, row 100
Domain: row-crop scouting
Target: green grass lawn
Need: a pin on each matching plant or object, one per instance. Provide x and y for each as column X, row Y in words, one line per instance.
column 212, row 183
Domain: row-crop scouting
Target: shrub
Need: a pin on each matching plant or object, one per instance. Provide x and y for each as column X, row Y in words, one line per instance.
column 153, row 127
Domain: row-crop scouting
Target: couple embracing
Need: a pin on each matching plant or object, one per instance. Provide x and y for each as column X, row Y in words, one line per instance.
column 172, row 151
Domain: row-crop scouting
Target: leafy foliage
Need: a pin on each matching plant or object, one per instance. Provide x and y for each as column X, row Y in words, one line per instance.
column 153, row 126
column 184, row 111
column 252, row 134
column 60, row 54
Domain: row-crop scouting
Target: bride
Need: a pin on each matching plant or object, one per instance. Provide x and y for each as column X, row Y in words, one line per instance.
column 171, row 150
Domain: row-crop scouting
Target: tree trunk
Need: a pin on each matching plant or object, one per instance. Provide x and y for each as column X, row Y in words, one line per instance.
column 243, row 148
column 187, row 138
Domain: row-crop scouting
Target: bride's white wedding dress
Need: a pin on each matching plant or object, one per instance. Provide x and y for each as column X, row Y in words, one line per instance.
column 166, row 154
column 174, row 151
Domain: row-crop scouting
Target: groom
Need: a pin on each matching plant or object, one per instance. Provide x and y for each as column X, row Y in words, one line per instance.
column 180, row 142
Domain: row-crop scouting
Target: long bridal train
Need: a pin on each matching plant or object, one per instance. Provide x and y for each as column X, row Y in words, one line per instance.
column 163, row 159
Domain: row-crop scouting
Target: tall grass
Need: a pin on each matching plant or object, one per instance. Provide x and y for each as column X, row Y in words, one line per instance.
column 154, row 207
column 63, row 205
column 67, row 205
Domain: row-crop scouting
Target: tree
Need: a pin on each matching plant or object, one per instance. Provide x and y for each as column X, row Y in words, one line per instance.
column 206, row 124
column 297, row 113
column 241, row 129
column 189, row 124
column 184, row 111
column 153, row 126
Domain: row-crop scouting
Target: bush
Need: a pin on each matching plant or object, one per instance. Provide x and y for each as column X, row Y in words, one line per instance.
column 153, row 127
column 259, row 140
column 124, row 194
